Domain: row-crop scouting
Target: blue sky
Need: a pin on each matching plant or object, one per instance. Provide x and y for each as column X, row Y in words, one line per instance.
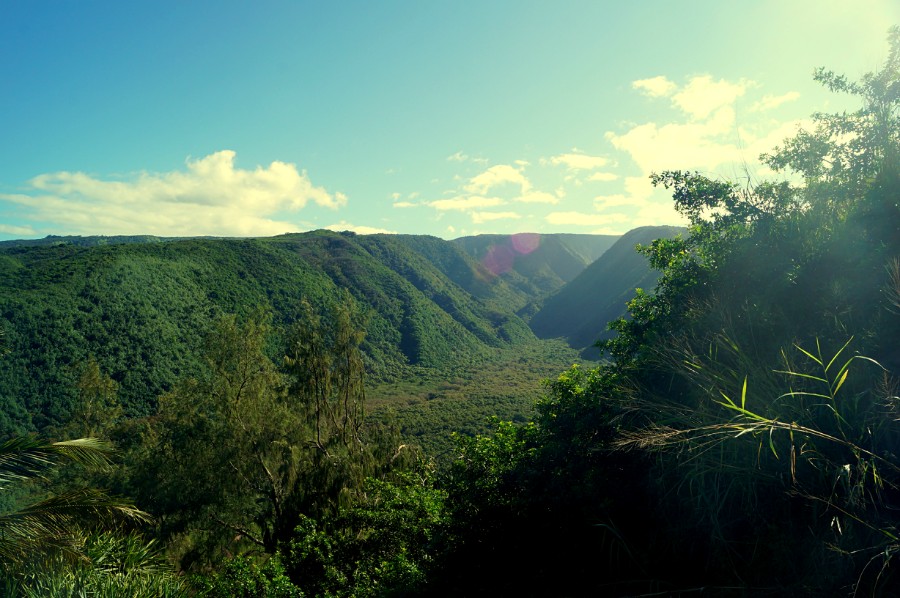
column 445, row 118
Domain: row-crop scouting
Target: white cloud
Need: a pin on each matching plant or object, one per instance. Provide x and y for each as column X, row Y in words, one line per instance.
column 210, row 197
column 702, row 95
column 464, row 157
column 360, row 230
column 707, row 139
column 603, row 176
column 610, row 231
column 466, row 203
column 482, row 217
column 22, row 231
column 676, row 145
column 768, row 102
column 655, row 87
column 496, row 176
column 398, row 202
column 578, row 161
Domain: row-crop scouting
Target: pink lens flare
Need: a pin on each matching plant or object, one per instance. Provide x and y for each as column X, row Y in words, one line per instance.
column 525, row 243
column 499, row 259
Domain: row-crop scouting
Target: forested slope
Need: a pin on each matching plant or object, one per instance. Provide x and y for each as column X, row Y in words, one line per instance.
column 140, row 308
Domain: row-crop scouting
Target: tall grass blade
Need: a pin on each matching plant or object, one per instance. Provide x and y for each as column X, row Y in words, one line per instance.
column 841, row 350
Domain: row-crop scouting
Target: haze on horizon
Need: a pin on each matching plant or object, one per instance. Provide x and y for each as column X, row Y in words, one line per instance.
column 441, row 118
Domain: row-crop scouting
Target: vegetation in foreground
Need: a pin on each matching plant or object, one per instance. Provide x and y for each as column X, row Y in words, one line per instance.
column 742, row 440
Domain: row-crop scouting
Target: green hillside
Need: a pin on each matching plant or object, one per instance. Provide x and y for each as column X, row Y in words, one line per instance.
column 140, row 309
column 601, row 291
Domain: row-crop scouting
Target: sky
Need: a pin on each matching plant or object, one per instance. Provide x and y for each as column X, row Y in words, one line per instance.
column 234, row 118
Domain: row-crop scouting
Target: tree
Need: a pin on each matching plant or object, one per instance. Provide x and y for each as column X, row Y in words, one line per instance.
column 846, row 152
column 97, row 407
column 215, row 447
column 239, row 456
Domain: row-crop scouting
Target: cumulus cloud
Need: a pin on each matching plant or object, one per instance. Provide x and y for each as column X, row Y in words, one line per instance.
column 495, row 176
column 655, row 86
column 676, row 145
column 603, row 176
column 21, row 231
column 645, row 204
column 702, row 96
column 579, row 161
column 464, row 157
column 397, row 200
column 708, row 135
column 210, row 197
column 768, row 102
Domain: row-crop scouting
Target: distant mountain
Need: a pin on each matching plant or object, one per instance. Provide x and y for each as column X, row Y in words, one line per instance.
column 535, row 264
column 580, row 311
column 90, row 241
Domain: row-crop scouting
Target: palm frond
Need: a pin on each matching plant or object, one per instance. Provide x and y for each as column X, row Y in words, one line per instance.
column 26, row 457
column 55, row 524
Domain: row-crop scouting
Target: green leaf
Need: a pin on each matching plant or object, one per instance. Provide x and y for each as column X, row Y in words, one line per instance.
column 840, row 382
column 744, row 394
column 808, row 354
column 841, row 350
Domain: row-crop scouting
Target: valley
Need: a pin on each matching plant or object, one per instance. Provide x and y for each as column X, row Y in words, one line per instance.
column 447, row 344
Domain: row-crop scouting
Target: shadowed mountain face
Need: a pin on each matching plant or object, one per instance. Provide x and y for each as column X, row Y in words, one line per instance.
column 535, row 265
column 580, row 311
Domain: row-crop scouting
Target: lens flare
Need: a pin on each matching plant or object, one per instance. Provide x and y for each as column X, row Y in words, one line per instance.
column 499, row 259
column 525, row 243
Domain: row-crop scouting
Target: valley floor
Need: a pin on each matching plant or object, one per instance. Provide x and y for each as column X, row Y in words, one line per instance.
column 430, row 405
